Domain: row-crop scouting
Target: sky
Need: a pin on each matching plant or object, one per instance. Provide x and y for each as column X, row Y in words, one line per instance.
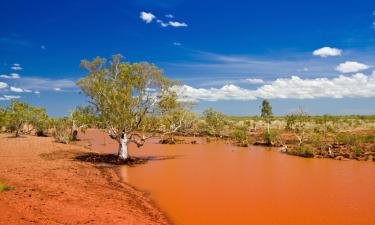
column 229, row 55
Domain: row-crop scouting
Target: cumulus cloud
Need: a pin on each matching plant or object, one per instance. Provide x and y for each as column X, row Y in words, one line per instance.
column 254, row 81
column 357, row 85
column 327, row 51
column 176, row 43
column 16, row 66
column 351, row 67
column 20, row 90
column 177, row 24
column 16, row 89
column 9, row 97
column 10, row 76
column 227, row 92
column 147, row 17
column 3, row 85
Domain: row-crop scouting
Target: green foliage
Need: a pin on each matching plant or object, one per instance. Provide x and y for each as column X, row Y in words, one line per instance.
column 176, row 117
column 297, row 123
column 128, row 97
column 241, row 137
column 3, row 118
column 266, row 113
column 62, row 130
column 85, row 116
column 302, row 151
column 347, row 139
column 39, row 120
column 357, row 151
column 270, row 137
column 5, row 187
column 20, row 114
column 215, row 122
column 317, row 140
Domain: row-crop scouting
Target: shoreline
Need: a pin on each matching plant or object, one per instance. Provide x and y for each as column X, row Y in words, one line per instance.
column 53, row 188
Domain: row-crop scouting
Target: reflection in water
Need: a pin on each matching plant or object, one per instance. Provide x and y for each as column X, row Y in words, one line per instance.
column 222, row 184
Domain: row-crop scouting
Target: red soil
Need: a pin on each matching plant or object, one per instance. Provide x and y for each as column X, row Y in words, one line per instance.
column 53, row 188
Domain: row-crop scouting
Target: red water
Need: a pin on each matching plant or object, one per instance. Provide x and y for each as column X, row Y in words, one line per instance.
column 222, row 184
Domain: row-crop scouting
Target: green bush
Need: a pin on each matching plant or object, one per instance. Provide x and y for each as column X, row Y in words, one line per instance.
column 62, row 130
column 357, row 151
column 302, row 151
column 270, row 137
column 240, row 136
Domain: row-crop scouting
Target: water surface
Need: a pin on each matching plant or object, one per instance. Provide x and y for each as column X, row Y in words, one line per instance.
column 222, row 184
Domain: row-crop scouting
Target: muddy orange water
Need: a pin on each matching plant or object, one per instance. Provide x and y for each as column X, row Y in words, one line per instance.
column 226, row 185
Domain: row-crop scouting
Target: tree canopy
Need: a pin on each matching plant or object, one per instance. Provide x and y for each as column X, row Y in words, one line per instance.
column 128, row 96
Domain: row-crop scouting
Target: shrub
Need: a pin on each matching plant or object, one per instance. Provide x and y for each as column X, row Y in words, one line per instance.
column 302, row 151
column 317, row 140
column 241, row 137
column 62, row 132
column 357, row 151
column 270, row 137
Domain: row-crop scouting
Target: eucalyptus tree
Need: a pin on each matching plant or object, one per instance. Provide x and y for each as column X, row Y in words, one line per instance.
column 128, row 98
column 38, row 119
column 300, row 119
column 176, row 117
column 17, row 116
column 215, row 121
column 81, row 118
column 266, row 113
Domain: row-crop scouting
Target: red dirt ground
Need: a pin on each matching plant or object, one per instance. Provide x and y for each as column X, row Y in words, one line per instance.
column 53, row 188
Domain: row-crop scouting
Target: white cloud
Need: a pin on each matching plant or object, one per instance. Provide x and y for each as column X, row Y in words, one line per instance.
column 3, row 85
column 254, row 81
column 177, row 24
column 327, row 51
column 357, row 85
column 10, row 76
column 169, row 16
column 147, row 17
column 16, row 89
column 57, row 89
column 36, row 92
column 43, row 47
column 16, row 66
column 45, row 84
column 9, row 97
column 227, row 92
column 162, row 23
column 351, row 67
column 176, row 43
column 20, row 90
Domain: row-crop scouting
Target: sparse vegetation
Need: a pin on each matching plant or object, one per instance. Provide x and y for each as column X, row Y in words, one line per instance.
column 5, row 187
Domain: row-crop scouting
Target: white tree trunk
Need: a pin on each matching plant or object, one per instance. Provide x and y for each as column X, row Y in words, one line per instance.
column 268, row 127
column 123, row 153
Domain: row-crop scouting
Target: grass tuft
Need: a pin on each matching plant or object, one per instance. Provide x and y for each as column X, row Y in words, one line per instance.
column 5, row 187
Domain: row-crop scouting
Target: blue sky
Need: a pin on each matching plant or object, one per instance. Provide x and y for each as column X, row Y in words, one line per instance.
column 229, row 55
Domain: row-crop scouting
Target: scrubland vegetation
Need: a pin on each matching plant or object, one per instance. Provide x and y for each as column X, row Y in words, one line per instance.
column 134, row 102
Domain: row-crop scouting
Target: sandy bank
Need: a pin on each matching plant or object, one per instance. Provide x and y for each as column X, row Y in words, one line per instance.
column 52, row 188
